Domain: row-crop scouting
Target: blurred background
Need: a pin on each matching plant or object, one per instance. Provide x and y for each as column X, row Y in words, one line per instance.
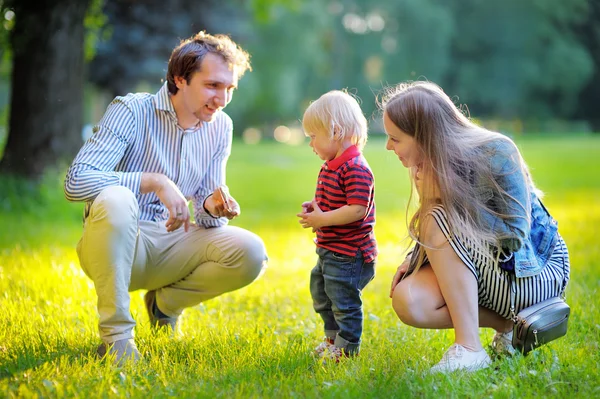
column 519, row 65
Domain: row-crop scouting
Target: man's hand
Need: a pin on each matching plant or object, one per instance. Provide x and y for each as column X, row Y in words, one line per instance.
column 221, row 204
column 169, row 194
column 399, row 274
column 311, row 216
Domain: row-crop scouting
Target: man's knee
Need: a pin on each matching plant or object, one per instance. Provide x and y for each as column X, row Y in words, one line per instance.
column 116, row 205
column 252, row 258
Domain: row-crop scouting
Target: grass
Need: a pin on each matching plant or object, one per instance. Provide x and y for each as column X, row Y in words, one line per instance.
column 256, row 342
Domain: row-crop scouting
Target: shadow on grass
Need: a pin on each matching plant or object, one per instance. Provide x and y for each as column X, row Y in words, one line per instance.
column 30, row 358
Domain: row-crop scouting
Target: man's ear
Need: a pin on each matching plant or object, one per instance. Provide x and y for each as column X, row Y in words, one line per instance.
column 179, row 81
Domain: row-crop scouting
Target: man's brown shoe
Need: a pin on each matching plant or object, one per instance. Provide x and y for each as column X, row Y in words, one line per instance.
column 155, row 321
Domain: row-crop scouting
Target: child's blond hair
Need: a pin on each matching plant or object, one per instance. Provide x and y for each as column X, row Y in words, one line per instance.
column 337, row 112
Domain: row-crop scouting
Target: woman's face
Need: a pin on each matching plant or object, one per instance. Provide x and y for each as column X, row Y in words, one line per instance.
column 403, row 145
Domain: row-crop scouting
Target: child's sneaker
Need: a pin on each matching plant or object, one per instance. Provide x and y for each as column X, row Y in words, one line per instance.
column 502, row 343
column 333, row 354
column 457, row 357
column 324, row 347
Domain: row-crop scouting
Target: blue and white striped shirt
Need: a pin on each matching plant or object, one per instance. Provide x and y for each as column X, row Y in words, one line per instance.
column 139, row 133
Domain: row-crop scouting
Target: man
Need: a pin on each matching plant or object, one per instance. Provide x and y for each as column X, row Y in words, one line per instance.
column 147, row 156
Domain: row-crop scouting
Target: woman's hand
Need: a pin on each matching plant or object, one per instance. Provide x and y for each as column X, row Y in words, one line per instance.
column 417, row 176
column 399, row 274
column 425, row 183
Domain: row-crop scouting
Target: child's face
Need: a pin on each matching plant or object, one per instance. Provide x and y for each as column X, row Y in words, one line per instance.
column 403, row 145
column 326, row 147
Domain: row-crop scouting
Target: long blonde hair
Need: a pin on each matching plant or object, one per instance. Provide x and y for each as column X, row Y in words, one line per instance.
column 456, row 156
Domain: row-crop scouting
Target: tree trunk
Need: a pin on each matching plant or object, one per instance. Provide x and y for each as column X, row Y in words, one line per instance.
column 589, row 97
column 46, row 106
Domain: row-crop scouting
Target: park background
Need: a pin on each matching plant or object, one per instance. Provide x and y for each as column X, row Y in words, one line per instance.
column 527, row 68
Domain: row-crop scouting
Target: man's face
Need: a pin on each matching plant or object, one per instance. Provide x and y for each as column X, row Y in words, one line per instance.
column 208, row 90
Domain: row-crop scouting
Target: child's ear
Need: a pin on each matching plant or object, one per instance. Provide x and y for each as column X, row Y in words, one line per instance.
column 336, row 132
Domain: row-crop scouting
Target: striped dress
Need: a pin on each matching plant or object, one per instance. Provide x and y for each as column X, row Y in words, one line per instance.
column 494, row 283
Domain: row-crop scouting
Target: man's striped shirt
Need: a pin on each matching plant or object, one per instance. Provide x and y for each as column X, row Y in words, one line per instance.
column 348, row 180
column 139, row 133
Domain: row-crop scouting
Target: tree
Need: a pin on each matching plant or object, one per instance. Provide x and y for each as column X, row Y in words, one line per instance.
column 137, row 41
column 518, row 59
column 45, row 120
column 589, row 98
column 50, row 42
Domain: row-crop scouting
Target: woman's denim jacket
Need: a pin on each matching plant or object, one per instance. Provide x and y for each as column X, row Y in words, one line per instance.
column 531, row 240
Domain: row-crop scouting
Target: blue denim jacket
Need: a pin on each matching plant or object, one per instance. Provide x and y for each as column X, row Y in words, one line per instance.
column 530, row 242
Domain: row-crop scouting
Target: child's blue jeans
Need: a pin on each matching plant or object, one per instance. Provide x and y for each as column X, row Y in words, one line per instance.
column 336, row 283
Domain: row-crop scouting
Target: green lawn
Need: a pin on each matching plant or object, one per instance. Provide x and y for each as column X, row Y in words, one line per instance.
column 256, row 342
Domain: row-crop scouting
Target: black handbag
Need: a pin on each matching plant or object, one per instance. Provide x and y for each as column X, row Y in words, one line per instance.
column 541, row 323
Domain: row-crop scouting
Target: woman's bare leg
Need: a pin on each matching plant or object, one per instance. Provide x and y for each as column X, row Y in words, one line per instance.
column 418, row 302
column 444, row 294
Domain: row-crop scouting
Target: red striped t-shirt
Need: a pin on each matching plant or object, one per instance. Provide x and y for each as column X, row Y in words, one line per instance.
column 348, row 180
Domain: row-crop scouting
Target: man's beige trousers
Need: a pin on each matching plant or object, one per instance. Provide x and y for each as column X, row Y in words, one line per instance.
column 121, row 253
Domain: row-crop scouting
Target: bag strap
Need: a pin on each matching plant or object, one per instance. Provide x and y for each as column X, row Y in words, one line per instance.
column 563, row 289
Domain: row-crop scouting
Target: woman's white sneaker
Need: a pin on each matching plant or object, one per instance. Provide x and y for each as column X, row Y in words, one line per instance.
column 457, row 357
column 502, row 343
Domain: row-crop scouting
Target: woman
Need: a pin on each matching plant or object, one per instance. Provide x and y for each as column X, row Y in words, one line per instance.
column 479, row 230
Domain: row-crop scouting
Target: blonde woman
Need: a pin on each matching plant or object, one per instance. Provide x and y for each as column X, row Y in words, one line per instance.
column 480, row 227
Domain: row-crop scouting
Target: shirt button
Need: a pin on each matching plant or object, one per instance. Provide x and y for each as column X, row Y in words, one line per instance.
column 320, row 182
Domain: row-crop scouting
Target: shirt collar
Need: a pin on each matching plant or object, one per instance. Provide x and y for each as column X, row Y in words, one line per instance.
column 348, row 154
column 162, row 99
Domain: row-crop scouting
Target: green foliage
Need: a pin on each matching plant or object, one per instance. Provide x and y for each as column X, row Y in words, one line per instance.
column 516, row 58
column 256, row 342
column 505, row 60
column 94, row 22
column 264, row 10
column 7, row 22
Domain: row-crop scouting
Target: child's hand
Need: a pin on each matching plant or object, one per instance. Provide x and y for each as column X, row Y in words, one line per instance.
column 311, row 215
column 307, row 207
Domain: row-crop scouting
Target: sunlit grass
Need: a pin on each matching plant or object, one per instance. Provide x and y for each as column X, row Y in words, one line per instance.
column 256, row 342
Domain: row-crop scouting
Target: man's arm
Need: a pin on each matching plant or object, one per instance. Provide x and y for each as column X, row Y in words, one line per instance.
column 93, row 167
column 213, row 178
